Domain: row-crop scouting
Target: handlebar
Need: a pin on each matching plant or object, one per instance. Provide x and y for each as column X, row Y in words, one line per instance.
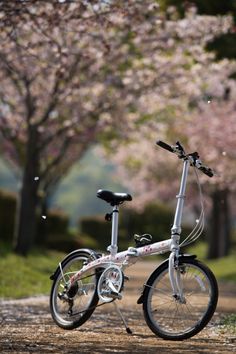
column 193, row 157
column 206, row 170
column 165, row 146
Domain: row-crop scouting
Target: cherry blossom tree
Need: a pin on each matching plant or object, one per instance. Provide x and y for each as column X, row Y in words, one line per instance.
column 215, row 123
column 203, row 117
column 76, row 72
column 210, row 129
column 52, row 95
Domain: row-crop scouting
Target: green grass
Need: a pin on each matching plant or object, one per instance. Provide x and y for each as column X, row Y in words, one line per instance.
column 224, row 268
column 28, row 276
column 228, row 324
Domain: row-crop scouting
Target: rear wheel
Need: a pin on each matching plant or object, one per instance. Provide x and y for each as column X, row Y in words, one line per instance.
column 71, row 306
column 171, row 317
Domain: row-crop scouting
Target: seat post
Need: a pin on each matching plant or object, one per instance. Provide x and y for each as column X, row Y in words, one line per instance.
column 114, row 232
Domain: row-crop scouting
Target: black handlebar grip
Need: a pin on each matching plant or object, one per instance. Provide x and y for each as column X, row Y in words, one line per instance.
column 208, row 171
column 164, row 146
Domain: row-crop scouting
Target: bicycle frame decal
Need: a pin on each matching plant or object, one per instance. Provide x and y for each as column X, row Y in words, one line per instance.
column 124, row 257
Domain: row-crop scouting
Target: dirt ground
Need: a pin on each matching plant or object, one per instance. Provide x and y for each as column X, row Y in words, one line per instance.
column 27, row 327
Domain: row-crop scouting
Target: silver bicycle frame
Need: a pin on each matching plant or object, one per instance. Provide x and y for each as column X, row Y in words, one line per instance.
column 176, row 231
column 131, row 255
column 176, row 228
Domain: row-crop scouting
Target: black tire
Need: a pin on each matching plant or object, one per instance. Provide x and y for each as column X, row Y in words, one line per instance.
column 82, row 295
column 165, row 315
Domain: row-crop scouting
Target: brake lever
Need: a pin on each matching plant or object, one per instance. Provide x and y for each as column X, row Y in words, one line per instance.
column 179, row 150
column 206, row 170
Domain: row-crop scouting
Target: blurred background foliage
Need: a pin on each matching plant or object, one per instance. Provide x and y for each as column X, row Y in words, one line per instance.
column 223, row 45
column 76, row 216
column 75, row 209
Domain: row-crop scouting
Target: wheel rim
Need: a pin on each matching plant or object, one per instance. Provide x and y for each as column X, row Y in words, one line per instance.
column 171, row 316
column 72, row 310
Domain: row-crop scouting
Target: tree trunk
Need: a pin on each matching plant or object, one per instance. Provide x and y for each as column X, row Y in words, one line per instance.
column 26, row 219
column 219, row 235
column 42, row 231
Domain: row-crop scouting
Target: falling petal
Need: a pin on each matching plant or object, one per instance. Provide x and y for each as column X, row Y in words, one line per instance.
column 197, row 221
column 44, row 217
column 36, row 178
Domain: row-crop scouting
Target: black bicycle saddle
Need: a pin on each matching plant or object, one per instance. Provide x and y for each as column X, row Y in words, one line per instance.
column 113, row 198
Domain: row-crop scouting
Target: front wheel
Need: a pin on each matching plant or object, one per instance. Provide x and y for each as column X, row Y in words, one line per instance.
column 71, row 307
column 171, row 317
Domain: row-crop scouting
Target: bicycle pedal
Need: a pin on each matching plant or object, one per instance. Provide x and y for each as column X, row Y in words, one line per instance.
column 112, row 294
column 142, row 240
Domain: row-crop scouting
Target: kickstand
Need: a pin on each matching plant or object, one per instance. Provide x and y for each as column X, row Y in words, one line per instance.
column 128, row 330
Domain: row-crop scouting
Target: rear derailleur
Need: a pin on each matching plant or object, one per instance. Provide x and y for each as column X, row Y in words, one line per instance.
column 68, row 296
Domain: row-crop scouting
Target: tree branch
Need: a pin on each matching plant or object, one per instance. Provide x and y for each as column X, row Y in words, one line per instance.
column 57, row 159
column 12, row 73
